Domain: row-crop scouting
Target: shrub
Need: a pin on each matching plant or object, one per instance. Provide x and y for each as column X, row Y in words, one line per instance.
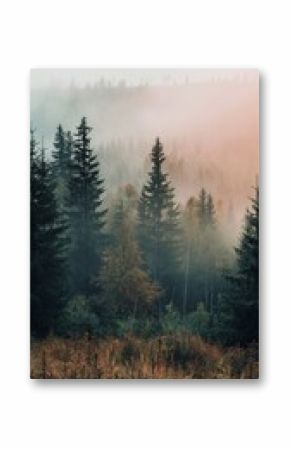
column 78, row 319
column 171, row 321
column 198, row 322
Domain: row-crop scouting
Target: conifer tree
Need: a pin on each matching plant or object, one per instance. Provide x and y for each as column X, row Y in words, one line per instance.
column 240, row 308
column 47, row 246
column 159, row 223
column 34, row 185
column 58, row 153
column 62, row 153
column 86, row 212
column 126, row 286
column 69, row 145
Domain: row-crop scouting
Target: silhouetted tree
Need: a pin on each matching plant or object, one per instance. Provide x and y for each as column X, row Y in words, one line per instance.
column 47, row 246
column 240, row 308
column 159, row 224
column 85, row 211
column 61, row 163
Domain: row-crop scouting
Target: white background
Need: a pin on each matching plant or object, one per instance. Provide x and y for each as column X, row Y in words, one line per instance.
column 160, row 414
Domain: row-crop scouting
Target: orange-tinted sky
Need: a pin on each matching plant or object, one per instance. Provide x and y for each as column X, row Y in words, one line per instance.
column 208, row 121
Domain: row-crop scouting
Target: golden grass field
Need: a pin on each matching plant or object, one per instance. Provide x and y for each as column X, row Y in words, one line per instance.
column 168, row 357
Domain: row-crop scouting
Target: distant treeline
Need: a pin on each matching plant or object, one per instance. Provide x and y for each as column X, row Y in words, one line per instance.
column 141, row 264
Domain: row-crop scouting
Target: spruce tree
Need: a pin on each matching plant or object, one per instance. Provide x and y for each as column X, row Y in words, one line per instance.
column 85, row 211
column 58, row 153
column 34, row 186
column 240, row 307
column 62, row 153
column 47, row 246
column 159, row 224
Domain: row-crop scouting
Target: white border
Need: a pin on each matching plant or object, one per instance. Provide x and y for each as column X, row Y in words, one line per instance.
column 153, row 34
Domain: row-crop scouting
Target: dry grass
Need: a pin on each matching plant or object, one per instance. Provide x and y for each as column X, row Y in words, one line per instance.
column 170, row 357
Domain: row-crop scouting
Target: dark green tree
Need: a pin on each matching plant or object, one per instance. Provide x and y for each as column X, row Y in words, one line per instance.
column 159, row 224
column 58, row 154
column 240, row 308
column 61, row 163
column 85, row 211
column 34, row 186
column 47, row 246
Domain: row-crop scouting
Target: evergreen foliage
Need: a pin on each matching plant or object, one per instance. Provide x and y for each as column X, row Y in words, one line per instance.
column 78, row 318
column 240, row 308
column 143, row 268
column 159, row 231
column 47, row 246
column 85, row 211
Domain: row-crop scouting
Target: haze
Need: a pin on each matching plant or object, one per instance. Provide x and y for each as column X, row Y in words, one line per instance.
column 208, row 121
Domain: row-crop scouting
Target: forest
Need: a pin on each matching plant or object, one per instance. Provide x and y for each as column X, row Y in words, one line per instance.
column 131, row 282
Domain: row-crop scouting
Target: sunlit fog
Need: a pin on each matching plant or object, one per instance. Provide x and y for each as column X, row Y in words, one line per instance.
column 207, row 121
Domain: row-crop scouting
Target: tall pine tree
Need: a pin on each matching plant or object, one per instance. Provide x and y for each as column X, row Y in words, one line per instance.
column 61, row 155
column 240, row 308
column 159, row 225
column 86, row 212
column 47, row 246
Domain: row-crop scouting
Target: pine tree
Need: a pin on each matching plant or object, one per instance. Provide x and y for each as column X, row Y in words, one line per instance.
column 62, row 153
column 125, row 284
column 58, row 153
column 240, row 308
column 47, row 246
column 159, row 223
column 34, row 186
column 69, row 144
column 86, row 212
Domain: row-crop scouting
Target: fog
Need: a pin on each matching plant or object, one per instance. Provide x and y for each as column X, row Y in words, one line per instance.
column 207, row 120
